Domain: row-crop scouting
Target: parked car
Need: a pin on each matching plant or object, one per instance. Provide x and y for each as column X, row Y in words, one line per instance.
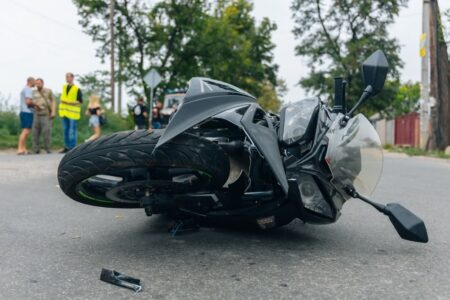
column 171, row 102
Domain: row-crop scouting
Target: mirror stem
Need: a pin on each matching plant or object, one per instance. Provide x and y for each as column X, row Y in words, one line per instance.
column 366, row 94
column 353, row 193
column 339, row 95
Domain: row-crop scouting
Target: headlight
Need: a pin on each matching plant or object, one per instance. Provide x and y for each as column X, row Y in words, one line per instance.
column 312, row 197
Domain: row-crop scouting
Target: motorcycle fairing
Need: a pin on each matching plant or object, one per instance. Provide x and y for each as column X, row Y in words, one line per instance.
column 207, row 98
column 204, row 99
column 266, row 141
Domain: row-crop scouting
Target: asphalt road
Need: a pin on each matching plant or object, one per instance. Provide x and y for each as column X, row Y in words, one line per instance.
column 52, row 247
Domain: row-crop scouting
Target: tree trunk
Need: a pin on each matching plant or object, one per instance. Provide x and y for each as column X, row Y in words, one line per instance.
column 439, row 83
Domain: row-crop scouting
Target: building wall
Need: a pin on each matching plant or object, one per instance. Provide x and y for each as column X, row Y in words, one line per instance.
column 380, row 126
column 390, row 132
column 407, row 130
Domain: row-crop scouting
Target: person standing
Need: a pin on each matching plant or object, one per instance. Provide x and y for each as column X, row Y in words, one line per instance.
column 69, row 111
column 139, row 113
column 26, row 115
column 94, row 112
column 156, row 117
column 44, row 103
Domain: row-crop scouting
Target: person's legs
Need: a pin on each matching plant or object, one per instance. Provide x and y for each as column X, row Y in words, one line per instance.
column 72, row 134
column 96, row 133
column 94, row 123
column 36, row 133
column 26, row 122
column 65, row 126
column 156, row 125
column 22, row 148
column 47, row 132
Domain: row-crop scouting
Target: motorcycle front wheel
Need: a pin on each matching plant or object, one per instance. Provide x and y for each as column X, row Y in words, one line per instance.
column 119, row 169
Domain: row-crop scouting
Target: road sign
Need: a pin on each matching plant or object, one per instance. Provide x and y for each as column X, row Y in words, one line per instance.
column 152, row 78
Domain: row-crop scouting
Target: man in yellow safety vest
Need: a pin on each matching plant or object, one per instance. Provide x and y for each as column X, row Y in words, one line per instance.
column 69, row 111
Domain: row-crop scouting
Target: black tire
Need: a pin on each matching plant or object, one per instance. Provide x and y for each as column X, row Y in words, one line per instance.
column 133, row 149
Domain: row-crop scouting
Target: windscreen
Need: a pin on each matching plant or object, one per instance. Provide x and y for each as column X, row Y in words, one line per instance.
column 297, row 117
column 355, row 155
column 205, row 86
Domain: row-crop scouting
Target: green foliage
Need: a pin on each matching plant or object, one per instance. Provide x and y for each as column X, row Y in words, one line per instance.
column 406, row 99
column 96, row 82
column 269, row 98
column 182, row 39
column 9, row 122
column 336, row 36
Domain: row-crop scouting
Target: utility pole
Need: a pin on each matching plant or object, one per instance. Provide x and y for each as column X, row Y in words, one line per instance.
column 111, row 28
column 425, row 76
column 119, row 88
column 119, row 72
column 439, row 83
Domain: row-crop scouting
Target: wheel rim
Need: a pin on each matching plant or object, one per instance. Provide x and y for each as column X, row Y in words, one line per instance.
column 126, row 191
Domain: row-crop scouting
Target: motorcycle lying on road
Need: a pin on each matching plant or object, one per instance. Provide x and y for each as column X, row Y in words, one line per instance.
column 223, row 160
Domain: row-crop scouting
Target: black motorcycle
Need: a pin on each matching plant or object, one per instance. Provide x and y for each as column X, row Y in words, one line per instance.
column 223, row 160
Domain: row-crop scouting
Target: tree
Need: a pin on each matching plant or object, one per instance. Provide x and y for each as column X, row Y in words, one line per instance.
column 182, row 39
column 235, row 50
column 146, row 37
column 406, row 99
column 336, row 36
column 269, row 98
column 96, row 83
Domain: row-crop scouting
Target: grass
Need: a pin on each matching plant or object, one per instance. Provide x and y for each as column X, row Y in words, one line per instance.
column 10, row 129
column 412, row 151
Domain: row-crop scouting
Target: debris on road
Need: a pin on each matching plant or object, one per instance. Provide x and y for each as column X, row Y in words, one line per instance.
column 119, row 279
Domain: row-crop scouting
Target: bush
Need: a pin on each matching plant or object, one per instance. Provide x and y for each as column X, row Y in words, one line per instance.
column 9, row 122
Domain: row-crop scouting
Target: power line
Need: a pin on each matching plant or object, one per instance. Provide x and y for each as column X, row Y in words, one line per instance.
column 48, row 43
column 35, row 12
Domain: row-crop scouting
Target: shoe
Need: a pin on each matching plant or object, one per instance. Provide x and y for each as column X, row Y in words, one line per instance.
column 37, row 152
column 63, row 151
column 49, row 152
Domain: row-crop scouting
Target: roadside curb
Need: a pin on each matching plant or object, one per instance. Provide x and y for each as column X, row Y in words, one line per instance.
column 422, row 157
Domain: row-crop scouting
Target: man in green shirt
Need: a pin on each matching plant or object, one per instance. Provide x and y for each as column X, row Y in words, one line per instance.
column 44, row 112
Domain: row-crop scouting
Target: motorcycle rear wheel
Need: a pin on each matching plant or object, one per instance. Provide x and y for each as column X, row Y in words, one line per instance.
column 84, row 173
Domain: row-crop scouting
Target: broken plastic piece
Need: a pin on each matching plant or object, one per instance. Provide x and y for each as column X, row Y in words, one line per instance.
column 119, row 279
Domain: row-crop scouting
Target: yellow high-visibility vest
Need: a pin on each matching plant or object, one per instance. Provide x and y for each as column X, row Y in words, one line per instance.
column 69, row 107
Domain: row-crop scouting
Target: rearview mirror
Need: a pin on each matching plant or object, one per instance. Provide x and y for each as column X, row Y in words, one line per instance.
column 374, row 70
column 408, row 225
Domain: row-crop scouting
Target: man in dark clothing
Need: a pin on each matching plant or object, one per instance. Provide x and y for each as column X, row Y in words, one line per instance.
column 139, row 113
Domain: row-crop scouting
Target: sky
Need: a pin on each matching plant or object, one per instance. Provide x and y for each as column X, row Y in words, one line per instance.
column 43, row 39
